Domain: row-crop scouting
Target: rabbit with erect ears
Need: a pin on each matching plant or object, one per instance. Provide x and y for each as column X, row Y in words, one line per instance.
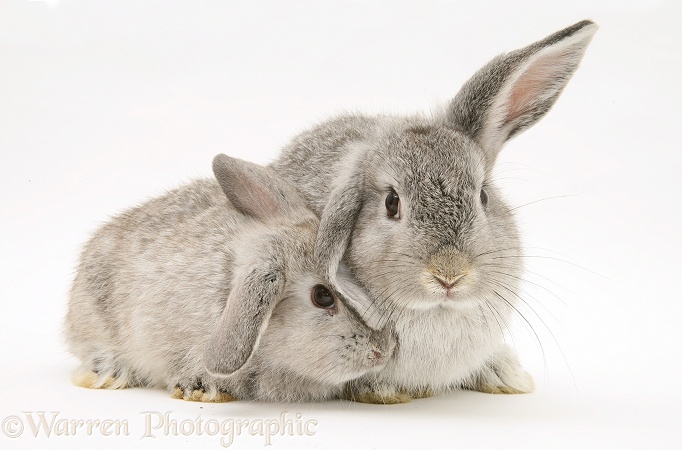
column 212, row 291
column 409, row 205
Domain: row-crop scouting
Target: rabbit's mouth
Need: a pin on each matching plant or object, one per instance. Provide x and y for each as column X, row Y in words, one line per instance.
column 449, row 285
column 374, row 365
column 445, row 286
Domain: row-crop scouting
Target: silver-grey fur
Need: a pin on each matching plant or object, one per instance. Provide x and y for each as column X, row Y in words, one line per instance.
column 445, row 271
column 211, row 297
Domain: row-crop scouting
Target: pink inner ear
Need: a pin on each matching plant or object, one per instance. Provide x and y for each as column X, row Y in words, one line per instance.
column 536, row 83
column 256, row 199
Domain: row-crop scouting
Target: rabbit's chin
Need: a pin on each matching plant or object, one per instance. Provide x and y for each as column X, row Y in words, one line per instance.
column 370, row 368
column 461, row 300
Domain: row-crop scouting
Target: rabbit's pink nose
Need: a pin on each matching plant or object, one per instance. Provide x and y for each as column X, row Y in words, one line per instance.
column 448, row 283
column 376, row 354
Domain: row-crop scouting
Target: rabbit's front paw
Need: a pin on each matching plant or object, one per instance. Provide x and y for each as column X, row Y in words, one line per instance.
column 419, row 393
column 378, row 398
column 198, row 392
column 376, row 394
column 503, row 374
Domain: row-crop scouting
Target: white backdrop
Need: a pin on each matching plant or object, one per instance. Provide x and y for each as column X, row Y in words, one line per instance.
column 105, row 104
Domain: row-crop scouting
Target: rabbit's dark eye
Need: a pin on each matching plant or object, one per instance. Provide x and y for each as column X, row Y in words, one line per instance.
column 393, row 204
column 322, row 297
column 484, row 198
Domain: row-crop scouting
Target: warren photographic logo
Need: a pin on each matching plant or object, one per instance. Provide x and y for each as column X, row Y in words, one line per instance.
column 156, row 425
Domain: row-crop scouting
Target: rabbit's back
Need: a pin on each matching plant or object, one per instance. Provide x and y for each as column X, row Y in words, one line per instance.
column 151, row 281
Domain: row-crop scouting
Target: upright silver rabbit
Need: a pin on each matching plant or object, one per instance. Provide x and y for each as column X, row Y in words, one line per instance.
column 409, row 204
column 212, row 291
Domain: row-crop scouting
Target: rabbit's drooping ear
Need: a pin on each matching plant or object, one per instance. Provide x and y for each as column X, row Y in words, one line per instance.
column 244, row 319
column 358, row 299
column 514, row 90
column 255, row 190
column 338, row 220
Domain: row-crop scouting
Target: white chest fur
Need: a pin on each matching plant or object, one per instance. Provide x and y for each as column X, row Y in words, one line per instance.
column 440, row 347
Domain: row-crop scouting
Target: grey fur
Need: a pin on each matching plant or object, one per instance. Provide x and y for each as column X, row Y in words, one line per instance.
column 192, row 291
column 344, row 168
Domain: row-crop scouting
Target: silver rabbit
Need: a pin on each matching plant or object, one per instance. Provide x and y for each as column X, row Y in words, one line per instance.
column 408, row 203
column 212, row 292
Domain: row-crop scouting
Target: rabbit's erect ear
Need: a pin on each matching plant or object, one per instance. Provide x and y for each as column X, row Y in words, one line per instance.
column 255, row 190
column 244, row 319
column 515, row 90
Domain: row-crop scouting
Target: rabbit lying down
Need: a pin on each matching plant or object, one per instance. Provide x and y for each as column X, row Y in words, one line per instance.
column 212, row 292
column 409, row 204
column 219, row 299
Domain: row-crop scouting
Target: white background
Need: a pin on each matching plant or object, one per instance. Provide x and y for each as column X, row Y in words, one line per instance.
column 106, row 103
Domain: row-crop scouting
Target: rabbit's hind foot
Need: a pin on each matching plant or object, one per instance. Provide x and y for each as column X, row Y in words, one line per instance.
column 93, row 380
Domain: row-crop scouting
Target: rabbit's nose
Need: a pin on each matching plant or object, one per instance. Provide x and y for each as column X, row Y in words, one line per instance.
column 448, row 266
column 375, row 353
column 449, row 282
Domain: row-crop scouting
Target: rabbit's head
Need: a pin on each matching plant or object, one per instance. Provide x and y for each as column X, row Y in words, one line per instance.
column 415, row 210
column 280, row 313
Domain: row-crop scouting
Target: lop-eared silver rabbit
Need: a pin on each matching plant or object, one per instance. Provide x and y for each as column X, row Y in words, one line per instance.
column 212, row 291
column 409, row 204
